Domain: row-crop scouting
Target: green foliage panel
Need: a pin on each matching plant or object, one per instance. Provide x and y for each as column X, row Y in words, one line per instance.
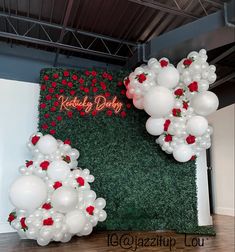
column 145, row 188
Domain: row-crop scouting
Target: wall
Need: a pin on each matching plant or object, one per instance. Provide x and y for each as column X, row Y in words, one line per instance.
column 222, row 160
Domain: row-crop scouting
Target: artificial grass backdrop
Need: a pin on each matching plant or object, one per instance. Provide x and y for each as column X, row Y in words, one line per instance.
column 145, row 188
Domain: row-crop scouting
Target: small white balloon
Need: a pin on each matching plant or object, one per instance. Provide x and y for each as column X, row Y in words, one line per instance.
column 182, row 153
column 168, row 77
column 138, row 103
column 155, row 126
column 47, row 144
column 75, row 221
column 197, row 125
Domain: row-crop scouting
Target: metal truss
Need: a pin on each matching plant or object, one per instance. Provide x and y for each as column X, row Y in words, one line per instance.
column 60, row 37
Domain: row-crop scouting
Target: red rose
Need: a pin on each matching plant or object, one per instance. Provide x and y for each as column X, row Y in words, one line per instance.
column 190, row 139
column 57, row 96
column 46, row 115
column 64, row 82
column 53, row 123
column 141, row 77
column 168, row 138
column 185, row 105
column 43, row 105
column 123, row 92
column 87, row 73
column 59, row 118
column 66, row 73
column 28, row 163
column 86, row 90
column 53, row 109
column 93, row 73
column 104, row 87
column 55, row 75
column 43, row 87
column 187, row 62
column 164, row 63
column 82, row 113
column 126, row 82
column 70, row 114
column 193, row 157
column 95, row 89
column 90, row 210
column 105, row 75
column 45, row 77
column 107, row 94
column 11, row 217
column 123, row 114
column 23, row 224
column 176, row 112
column 44, row 165
column 193, row 87
column 119, row 84
column 128, row 105
column 81, row 81
column 52, row 132
column 48, row 97
column 72, row 92
column 53, row 84
column 51, row 90
column 35, row 139
column 67, row 141
column 74, row 77
column 166, row 124
column 179, row 92
column 70, row 84
column 81, row 88
column 79, row 108
column 61, row 91
column 47, row 206
column 44, row 126
column 94, row 81
column 80, row 181
column 94, row 112
column 67, row 159
column 110, row 77
column 56, row 103
column 109, row 112
column 48, row 222
column 57, row 184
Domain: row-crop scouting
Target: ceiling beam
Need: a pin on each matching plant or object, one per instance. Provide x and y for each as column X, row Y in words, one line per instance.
column 223, row 55
column 165, row 8
column 222, row 80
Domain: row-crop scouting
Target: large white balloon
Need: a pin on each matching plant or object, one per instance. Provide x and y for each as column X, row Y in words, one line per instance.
column 168, row 77
column 58, row 170
column 47, row 144
column 155, row 126
column 158, row 102
column 75, row 221
column 205, row 103
column 182, row 153
column 197, row 125
column 64, row 199
column 28, row 192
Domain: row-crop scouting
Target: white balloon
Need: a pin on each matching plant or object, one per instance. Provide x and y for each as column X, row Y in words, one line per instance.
column 155, row 126
column 75, row 221
column 197, row 125
column 47, row 144
column 203, row 85
column 42, row 242
column 100, row 203
column 28, row 192
column 87, row 229
column 205, row 103
column 168, row 77
column 182, row 153
column 158, row 102
column 64, row 199
column 58, row 170
column 102, row 215
column 138, row 103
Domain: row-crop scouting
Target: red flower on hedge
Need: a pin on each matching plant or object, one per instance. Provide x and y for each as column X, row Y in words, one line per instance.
column 53, row 123
column 46, row 77
column 52, row 132
column 107, row 94
column 187, row 62
column 48, row 97
column 168, row 138
column 119, row 84
column 123, row 114
column 53, row 84
column 86, row 90
column 141, row 77
column 193, row 87
column 164, row 63
column 167, row 124
column 61, row 91
column 110, row 77
column 59, row 118
column 67, row 141
column 95, row 89
column 94, row 112
column 128, row 105
column 44, row 165
column 82, row 113
column 81, row 81
column 176, row 112
column 66, row 73
column 55, row 75
column 179, row 92
column 105, row 75
column 87, row 73
column 48, row 222
column 190, row 139
column 57, row 184
column 70, row 114
column 56, row 103
column 11, row 217
column 185, row 105
column 35, row 139
column 46, row 115
column 43, row 87
column 103, row 86
column 80, row 181
column 28, row 163
column 44, row 126
column 94, row 81
column 53, row 109
column 93, row 73
column 23, row 224
column 109, row 112
column 64, row 82
column 74, row 77
column 90, row 210
column 70, row 84
column 123, row 92
column 43, row 105
column 47, row 206
column 51, row 90
column 81, row 88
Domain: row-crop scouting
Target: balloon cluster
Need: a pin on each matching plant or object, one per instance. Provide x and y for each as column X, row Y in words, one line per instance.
column 52, row 197
column 177, row 99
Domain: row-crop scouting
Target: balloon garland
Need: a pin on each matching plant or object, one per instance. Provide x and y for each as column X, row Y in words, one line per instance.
column 177, row 99
column 52, row 197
